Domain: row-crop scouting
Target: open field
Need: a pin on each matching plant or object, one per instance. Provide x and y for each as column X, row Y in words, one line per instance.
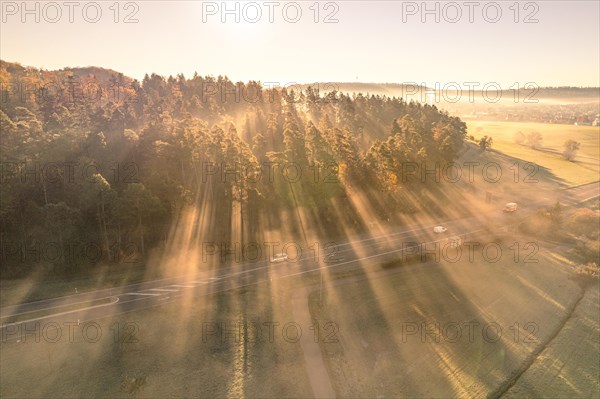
column 558, row 371
column 407, row 331
column 176, row 350
column 584, row 169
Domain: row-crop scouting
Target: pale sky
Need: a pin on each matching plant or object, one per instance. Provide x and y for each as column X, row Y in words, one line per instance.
column 373, row 41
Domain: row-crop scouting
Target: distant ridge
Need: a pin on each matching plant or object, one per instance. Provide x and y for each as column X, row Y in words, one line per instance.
column 384, row 89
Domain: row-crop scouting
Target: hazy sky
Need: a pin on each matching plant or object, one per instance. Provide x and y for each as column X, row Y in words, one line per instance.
column 372, row 41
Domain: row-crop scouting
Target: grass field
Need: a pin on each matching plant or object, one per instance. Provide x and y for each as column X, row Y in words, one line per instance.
column 584, row 169
column 193, row 346
column 399, row 335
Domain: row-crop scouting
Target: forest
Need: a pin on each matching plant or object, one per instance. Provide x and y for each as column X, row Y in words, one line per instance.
column 89, row 155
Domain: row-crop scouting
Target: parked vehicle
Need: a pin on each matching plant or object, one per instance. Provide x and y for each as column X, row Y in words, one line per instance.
column 510, row 207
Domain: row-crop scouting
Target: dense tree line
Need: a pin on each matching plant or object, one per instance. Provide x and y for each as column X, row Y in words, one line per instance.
column 89, row 155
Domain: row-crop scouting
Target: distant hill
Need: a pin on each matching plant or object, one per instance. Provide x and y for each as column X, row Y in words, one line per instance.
column 101, row 75
column 394, row 89
column 419, row 93
column 382, row 89
column 104, row 75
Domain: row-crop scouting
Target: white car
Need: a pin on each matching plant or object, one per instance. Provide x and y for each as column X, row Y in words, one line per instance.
column 279, row 258
column 439, row 229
